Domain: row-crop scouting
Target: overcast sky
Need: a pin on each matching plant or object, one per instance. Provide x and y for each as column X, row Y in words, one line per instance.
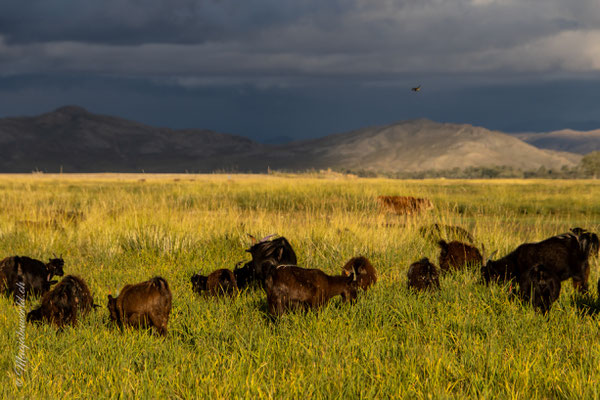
column 305, row 68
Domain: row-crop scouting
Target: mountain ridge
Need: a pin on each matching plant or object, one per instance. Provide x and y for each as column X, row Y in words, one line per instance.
column 580, row 142
column 73, row 139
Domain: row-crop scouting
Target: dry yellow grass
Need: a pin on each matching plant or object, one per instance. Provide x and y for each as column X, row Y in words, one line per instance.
column 466, row 341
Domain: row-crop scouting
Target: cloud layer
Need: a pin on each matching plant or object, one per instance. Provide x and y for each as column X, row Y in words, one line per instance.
column 286, row 41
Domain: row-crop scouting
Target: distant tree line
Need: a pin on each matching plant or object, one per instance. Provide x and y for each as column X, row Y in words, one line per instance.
column 588, row 167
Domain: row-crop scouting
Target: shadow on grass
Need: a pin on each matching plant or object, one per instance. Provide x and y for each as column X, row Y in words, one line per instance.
column 586, row 304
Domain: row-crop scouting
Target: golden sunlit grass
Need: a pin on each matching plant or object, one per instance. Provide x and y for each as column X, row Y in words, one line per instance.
column 466, row 341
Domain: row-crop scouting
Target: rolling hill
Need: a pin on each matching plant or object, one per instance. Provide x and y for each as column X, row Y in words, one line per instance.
column 418, row 145
column 72, row 139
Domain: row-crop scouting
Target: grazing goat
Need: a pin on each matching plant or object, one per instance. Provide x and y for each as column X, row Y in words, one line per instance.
column 142, row 305
column 435, row 232
column 565, row 255
column 36, row 275
column 278, row 251
column 455, row 255
column 423, row 275
column 291, row 287
column 366, row 275
column 219, row 282
column 540, row 286
column 404, row 204
column 245, row 275
column 64, row 303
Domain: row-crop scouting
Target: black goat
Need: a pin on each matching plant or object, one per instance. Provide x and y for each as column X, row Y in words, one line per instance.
column 540, row 286
column 278, row 251
column 565, row 255
column 423, row 275
column 36, row 275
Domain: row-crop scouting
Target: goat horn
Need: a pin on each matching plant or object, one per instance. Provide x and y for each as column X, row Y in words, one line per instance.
column 267, row 238
column 491, row 256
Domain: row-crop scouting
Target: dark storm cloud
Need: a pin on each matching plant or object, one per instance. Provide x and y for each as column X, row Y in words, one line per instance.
column 132, row 22
column 311, row 110
column 304, row 68
column 268, row 38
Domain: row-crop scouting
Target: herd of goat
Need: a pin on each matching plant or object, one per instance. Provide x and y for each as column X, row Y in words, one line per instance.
column 536, row 268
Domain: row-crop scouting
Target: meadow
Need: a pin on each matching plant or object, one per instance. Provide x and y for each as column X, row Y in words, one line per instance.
column 465, row 341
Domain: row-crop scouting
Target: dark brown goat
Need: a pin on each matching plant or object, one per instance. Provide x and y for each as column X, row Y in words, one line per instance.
column 456, row 255
column 63, row 304
column 366, row 275
column 277, row 251
column 36, row 275
column 435, row 232
column 566, row 256
column 219, row 282
column 145, row 304
column 291, row 287
column 423, row 275
column 540, row 286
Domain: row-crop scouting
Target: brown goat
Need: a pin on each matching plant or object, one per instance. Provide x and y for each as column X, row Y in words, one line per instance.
column 423, row 275
column 291, row 287
column 455, row 255
column 64, row 303
column 142, row 305
column 404, row 204
column 219, row 282
column 366, row 275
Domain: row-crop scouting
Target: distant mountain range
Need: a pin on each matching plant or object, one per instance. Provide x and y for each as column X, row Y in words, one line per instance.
column 72, row 139
column 581, row 142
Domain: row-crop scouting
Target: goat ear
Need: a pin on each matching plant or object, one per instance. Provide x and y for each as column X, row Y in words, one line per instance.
column 252, row 239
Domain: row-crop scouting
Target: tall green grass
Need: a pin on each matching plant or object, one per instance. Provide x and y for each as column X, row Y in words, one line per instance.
column 468, row 340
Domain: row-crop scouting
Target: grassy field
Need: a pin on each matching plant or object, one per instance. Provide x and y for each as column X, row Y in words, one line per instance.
column 467, row 341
